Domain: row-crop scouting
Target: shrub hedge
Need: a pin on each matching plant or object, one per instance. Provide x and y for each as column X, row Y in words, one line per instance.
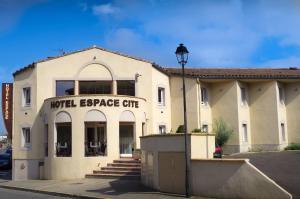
column 293, row 146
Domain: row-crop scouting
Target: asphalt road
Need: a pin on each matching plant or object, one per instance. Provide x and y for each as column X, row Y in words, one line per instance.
column 14, row 194
column 282, row 167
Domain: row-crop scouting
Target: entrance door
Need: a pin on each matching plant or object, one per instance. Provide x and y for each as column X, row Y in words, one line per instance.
column 126, row 140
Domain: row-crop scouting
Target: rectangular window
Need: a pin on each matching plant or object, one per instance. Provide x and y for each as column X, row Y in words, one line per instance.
column 281, row 95
column 245, row 133
column 162, row 129
column 26, row 137
column 65, row 87
column 26, row 97
column 46, row 140
column 205, row 128
column 95, row 139
column 204, row 96
column 64, row 139
column 283, row 132
column 95, row 87
column 243, row 96
column 161, row 96
column 126, row 87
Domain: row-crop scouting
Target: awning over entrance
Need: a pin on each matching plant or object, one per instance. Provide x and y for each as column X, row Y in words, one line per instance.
column 63, row 117
column 95, row 116
column 127, row 116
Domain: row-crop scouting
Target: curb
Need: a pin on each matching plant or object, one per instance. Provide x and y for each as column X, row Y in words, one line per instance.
column 49, row 192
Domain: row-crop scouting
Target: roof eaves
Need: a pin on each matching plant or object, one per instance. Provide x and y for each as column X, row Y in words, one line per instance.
column 160, row 68
column 78, row 51
column 206, row 76
column 30, row 66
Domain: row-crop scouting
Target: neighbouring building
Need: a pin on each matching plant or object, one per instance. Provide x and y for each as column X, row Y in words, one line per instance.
column 86, row 108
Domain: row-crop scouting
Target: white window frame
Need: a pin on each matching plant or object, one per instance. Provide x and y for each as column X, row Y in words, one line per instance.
column 163, row 96
column 244, row 132
column 25, row 95
column 160, row 129
column 24, row 144
column 204, row 98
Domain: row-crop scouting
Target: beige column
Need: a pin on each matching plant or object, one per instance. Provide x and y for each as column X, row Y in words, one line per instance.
column 114, row 87
column 76, row 88
column 136, row 89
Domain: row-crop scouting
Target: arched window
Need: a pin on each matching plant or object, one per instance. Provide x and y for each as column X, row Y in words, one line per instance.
column 95, row 139
column 63, row 143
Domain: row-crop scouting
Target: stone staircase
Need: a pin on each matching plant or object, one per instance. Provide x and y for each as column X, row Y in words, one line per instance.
column 124, row 168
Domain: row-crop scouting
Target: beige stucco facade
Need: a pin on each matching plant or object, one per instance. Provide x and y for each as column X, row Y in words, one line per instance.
column 89, row 65
column 262, row 115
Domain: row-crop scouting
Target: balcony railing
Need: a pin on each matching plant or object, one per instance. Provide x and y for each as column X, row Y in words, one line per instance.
column 95, row 149
column 63, row 149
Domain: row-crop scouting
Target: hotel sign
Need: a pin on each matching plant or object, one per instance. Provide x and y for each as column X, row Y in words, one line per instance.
column 95, row 103
column 7, row 100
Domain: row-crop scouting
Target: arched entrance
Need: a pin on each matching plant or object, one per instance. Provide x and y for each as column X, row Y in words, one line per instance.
column 126, row 133
column 95, row 134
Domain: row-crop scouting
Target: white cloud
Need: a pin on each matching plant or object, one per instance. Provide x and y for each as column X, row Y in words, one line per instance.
column 130, row 41
column 105, row 9
column 283, row 63
column 223, row 33
column 213, row 39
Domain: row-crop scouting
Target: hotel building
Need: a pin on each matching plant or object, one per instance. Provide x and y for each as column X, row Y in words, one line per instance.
column 87, row 108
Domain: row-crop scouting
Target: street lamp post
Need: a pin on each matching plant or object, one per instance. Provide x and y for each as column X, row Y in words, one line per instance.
column 182, row 57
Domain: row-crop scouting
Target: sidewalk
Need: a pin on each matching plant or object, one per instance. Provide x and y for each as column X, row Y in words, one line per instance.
column 88, row 188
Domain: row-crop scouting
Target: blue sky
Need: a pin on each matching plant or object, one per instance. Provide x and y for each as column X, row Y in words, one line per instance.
column 220, row 33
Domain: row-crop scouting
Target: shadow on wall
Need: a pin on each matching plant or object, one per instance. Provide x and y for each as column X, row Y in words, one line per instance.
column 232, row 179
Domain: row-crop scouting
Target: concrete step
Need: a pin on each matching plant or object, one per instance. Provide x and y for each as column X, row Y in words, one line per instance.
column 127, row 161
column 114, row 176
column 122, row 168
column 124, row 164
column 125, row 168
column 117, row 172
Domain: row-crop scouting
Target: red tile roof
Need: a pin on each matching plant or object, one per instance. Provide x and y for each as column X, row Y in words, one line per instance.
column 204, row 73
column 238, row 73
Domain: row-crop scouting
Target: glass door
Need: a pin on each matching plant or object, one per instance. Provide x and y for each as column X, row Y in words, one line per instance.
column 126, row 140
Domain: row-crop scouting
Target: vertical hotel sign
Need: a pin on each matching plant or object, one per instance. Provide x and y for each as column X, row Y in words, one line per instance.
column 7, row 100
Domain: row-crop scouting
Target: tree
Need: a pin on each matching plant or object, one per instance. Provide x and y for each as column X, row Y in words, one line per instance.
column 222, row 131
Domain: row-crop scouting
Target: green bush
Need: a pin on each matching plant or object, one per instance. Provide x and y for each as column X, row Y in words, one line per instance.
column 292, row 146
column 222, row 131
column 198, row 131
column 180, row 129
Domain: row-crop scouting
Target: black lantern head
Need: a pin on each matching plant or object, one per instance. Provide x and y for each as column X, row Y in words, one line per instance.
column 182, row 54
